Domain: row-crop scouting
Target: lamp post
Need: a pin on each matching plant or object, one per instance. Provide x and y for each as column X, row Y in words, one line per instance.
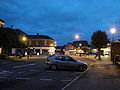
column 113, row 31
column 24, row 39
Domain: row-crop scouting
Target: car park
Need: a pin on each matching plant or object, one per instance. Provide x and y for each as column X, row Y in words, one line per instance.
column 65, row 62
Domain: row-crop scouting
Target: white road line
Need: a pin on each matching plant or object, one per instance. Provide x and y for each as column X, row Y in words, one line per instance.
column 76, row 78
column 32, row 70
column 5, row 72
column 23, row 65
column 21, row 72
column 23, row 78
column 46, row 79
column 50, row 71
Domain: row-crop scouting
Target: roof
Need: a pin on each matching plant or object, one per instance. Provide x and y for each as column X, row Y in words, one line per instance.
column 1, row 20
column 39, row 37
column 83, row 42
column 18, row 31
column 69, row 43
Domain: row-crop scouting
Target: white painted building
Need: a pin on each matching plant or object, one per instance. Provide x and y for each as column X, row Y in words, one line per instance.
column 41, row 44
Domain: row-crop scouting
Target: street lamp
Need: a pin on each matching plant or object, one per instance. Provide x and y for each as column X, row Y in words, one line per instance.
column 77, row 36
column 113, row 31
column 24, row 39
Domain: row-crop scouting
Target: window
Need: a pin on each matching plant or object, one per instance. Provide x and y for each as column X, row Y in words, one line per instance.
column 69, row 59
column 60, row 58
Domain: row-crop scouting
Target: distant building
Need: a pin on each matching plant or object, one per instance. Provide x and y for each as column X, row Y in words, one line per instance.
column 1, row 22
column 76, row 48
column 69, row 46
column 81, row 43
column 115, row 50
column 59, row 50
column 41, row 44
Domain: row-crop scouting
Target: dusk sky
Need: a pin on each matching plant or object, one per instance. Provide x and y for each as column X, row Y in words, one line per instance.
column 62, row 19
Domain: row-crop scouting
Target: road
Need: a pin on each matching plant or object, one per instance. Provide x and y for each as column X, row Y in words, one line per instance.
column 102, row 75
column 33, row 75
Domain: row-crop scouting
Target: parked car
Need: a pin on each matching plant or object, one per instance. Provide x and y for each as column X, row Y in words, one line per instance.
column 64, row 61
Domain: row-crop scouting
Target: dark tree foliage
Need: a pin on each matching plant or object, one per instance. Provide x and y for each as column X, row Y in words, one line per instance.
column 99, row 40
column 9, row 39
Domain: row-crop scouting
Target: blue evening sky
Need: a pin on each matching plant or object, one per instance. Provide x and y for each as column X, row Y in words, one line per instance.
column 62, row 19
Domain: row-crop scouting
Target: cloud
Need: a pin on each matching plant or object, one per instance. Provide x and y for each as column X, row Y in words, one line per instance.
column 61, row 19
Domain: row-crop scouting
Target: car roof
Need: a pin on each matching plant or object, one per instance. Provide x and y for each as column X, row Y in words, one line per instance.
column 57, row 55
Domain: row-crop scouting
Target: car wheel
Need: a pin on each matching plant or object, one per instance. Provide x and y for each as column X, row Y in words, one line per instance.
column 53, row 67
column 81, row 68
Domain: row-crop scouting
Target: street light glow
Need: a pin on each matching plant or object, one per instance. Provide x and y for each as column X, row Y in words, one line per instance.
column 77, row 36
column 24, row 38
column 113, row 30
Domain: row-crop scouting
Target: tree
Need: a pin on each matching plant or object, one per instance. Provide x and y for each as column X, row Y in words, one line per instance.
column 99, row 40
column 9, row 39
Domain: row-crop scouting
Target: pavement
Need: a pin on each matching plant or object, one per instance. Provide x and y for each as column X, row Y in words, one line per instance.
column 102, row 75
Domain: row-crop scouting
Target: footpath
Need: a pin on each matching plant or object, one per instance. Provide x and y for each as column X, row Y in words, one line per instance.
column 102, row 75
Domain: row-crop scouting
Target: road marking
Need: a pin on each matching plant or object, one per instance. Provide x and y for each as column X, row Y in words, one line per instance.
column 23, row 78
column 76, row 78
column 50, row 71
column 46, row 79
column 23, row 65
column 5, row 72
column 32, row 70
column 21, row 72
column 65, row 80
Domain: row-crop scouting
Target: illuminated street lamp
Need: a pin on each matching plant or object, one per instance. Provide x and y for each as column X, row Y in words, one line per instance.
column 24, row 39
column 113, row 31
column 77, row 36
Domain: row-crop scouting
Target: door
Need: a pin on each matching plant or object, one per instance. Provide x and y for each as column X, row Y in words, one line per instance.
column 61, row 62
column 71, row 63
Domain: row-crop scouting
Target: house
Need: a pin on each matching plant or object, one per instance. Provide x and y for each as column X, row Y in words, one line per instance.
column 76, row 48
column 80, row 43
column 41, row 44
column 1, row 22
column 59, row 50
column 68, row 48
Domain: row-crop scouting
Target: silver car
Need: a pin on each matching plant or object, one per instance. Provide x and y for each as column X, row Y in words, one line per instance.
column 64, row 61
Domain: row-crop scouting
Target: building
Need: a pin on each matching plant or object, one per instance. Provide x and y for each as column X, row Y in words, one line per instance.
column 41, row 44
column 59, row 50
column 76, row 48
column 1, row 22
column 68, row 48
column 80, row 43
column 115, row 49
